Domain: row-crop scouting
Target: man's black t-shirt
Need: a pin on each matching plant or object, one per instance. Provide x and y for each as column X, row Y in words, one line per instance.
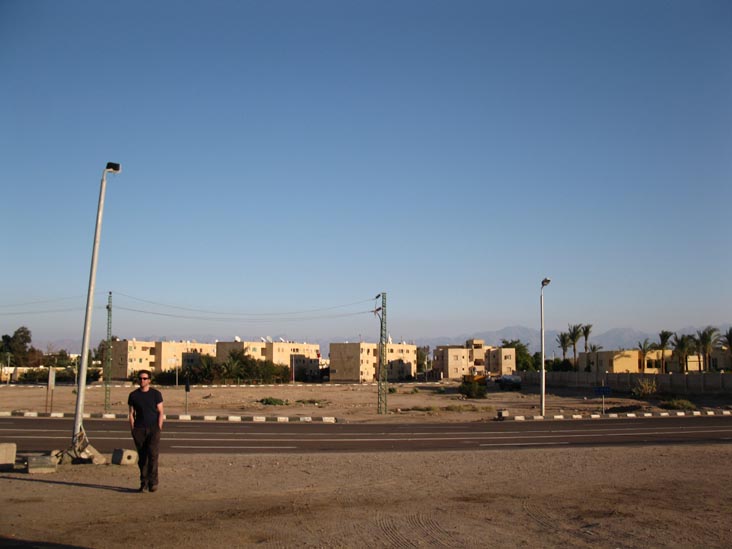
column 145, row 404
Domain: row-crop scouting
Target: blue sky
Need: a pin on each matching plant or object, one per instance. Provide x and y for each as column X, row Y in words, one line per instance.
column 281, row 157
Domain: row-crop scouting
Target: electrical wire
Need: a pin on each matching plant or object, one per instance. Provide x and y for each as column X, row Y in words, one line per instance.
column 241, row 319
column 240, row 314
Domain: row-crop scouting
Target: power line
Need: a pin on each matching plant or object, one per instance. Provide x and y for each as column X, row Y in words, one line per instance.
column 39, row 302
column 244, row 314
column 243, row 319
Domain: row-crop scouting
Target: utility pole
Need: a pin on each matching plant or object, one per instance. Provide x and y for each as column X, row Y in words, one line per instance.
column 108, row 355
column 383, row 378
column 79, row 441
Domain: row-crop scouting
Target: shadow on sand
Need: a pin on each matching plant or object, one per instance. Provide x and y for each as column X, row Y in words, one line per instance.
column 123, row 490
column 12, row 542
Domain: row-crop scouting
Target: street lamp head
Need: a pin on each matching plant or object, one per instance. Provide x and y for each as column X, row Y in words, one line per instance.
column 545, row 282
column 113, row 167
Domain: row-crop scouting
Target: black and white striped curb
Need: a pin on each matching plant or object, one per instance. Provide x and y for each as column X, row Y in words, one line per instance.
column 234, row 386
column 560, row 417
column 182, row 417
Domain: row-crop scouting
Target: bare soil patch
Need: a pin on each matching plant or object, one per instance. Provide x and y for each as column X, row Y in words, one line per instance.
column 634, row 497
column 354, row 403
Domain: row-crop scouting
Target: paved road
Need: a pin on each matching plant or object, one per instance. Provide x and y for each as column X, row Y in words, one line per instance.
column 36, row 434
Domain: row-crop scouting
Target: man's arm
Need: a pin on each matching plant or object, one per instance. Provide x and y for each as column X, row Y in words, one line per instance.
column 132, row 418
column 161, row 415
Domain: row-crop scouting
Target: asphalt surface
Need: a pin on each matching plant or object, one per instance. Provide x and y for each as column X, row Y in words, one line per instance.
column 193, row 437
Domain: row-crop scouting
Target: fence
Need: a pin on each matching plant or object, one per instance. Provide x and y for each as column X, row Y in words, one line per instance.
column 693, row 383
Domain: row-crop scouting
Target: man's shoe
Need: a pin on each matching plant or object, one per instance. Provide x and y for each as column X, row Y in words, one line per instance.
column 153, row 487
column 142, row 487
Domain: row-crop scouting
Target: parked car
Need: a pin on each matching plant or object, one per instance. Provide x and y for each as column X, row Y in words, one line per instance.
column 509, row 383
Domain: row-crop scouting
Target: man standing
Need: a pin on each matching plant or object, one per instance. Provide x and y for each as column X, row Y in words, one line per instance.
column 146, row 423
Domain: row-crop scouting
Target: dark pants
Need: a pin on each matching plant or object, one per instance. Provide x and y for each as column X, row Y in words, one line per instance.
column 147, row 441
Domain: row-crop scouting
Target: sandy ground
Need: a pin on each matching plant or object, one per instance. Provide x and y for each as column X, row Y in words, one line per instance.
column 352, row 403
column 668, row 496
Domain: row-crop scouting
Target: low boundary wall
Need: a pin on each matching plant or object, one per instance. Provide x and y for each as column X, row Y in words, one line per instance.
column 693, row 383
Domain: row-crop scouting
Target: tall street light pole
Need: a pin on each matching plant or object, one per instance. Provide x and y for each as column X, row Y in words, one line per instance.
column 544, row 283
column 79, row 441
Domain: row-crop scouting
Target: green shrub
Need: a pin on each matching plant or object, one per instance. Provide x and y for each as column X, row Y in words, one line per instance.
column 420, row 409
column 441, row 391
column 415, row 391
column 392, row 390
column 269, row 401
column 40, row 375
column 472, row 390
column 678, row 404
column 461, row 408
column 167, row 378
column 644, row 388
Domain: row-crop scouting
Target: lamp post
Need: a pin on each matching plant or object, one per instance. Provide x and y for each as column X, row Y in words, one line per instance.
column 78, row 440
column 544, row 283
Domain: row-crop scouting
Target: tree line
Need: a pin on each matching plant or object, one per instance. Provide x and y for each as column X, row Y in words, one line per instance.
column 238, row 367
column 683, row 346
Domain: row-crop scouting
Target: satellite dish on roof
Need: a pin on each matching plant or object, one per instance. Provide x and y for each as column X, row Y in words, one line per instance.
column 282, row 340
column 269, row 340
column 262, row 340
column 237, row 339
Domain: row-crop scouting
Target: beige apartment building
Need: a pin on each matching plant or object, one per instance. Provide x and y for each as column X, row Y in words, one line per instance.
column 254, row 349
column 131, row 356
column 359, row 362
column 629, row 361
column 473, row 358
column 721, row 359
column 304, row 358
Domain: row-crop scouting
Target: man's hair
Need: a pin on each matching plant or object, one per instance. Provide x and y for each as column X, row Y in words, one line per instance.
column 148, row 372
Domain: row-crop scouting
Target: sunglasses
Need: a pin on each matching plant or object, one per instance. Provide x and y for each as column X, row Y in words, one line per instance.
column 143, row 378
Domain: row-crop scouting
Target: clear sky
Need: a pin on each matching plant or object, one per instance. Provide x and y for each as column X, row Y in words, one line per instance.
column 289, row 156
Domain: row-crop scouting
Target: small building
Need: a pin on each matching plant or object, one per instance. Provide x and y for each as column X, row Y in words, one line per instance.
column 629, row 361
column 359, row 362
column 301, row 357
column 473, row 358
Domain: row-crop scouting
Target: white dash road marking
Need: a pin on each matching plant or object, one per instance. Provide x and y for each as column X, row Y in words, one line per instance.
column 236, row 447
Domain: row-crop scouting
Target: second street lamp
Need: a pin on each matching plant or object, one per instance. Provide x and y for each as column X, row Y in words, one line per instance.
column 542, row 389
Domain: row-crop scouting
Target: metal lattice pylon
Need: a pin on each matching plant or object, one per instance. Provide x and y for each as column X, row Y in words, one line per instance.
column 383, row 378
column 108, row 356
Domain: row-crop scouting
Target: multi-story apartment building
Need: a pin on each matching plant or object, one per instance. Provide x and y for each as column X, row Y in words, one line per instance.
column 130, row 356
column 254, row 349
column 302, row 357
column 475, row 357
column 359, row 362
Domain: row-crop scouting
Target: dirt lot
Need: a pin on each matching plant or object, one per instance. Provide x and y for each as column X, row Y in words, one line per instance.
column 669, row 496
column 352, row 403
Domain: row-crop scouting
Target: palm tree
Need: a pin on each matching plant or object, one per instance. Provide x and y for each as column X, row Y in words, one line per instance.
column 644, row 349
column 574, row 331
column 706, row 340
column 663, row 338
column 594, row 349
column 564, row 343
column 683, row 346
column 726, row 340
column 586, row 329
